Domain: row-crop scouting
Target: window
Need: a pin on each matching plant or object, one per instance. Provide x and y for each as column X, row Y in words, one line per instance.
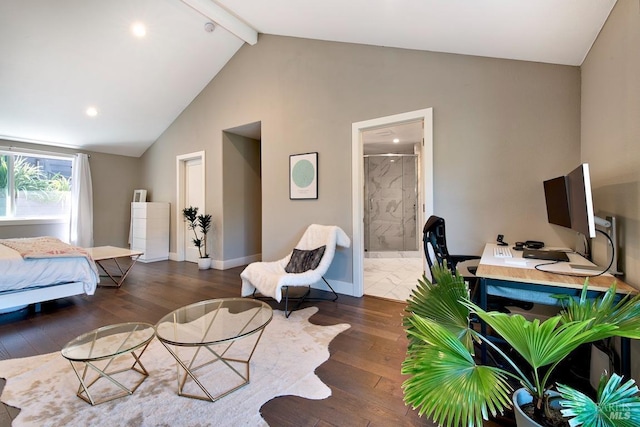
column 34, row 186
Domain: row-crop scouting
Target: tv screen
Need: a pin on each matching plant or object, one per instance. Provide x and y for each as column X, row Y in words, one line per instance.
column 555, row 193
column 581, row 201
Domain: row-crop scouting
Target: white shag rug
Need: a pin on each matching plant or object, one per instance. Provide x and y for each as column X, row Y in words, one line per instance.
column 44, row 387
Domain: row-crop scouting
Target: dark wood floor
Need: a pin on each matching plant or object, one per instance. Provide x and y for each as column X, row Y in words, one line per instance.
column 363, row 370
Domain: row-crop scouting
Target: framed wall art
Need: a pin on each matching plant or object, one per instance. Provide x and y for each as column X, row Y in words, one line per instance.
column 303, row 176
column 139, row 195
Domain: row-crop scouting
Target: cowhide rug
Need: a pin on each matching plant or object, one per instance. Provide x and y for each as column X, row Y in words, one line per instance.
column 44, row 387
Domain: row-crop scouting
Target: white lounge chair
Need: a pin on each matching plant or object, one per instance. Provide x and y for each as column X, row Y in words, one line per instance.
column 304, row 266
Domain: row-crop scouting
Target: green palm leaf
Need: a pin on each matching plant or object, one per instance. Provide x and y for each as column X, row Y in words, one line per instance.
column 625, row 314
column 447, row 385
column 441, row 302
column 618, row 405
column 445, row 382
column 540, row 343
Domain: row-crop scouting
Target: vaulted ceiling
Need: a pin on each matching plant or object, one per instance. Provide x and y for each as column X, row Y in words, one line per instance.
column 60, row 58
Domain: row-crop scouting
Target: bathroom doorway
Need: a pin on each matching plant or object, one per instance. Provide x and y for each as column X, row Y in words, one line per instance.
column 392, row 261
column 387, row 260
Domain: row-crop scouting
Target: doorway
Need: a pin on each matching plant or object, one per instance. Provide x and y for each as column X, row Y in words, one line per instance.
column 378, row 136
column 242, row 195
column 191, row 192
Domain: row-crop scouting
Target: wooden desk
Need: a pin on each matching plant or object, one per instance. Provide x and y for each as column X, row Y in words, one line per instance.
column 514, row 270
column 100, row 254
column 517, row 278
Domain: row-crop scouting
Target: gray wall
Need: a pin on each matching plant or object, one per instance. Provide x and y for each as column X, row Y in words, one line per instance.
column 611, row 133
column 114, row 178
column 611, row 127
column 242, row 197
column 500, row 128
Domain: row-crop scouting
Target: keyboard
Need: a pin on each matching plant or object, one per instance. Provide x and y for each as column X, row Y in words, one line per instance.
column 502, row 252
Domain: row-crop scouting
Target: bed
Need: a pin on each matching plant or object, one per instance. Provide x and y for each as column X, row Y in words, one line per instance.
column 39, row 269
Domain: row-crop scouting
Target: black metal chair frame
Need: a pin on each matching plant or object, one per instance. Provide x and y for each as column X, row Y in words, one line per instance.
column 298, row 299
column 433, row 234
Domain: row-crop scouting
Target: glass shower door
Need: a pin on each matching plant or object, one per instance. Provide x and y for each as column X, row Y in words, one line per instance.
column 390, row 205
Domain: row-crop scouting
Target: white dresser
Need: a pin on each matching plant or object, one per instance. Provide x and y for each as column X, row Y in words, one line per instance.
column 150, row 230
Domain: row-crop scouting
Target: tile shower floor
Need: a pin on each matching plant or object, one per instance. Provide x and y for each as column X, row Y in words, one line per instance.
column 392, row 278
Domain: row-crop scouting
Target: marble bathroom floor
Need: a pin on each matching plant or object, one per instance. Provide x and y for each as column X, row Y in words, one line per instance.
column 392, row 278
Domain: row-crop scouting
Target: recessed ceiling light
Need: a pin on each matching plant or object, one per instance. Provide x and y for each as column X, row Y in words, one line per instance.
column 138, row 29
column 396, row 140
column 92, row 111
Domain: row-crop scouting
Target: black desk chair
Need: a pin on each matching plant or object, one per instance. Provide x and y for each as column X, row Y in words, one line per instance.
column 436, row 252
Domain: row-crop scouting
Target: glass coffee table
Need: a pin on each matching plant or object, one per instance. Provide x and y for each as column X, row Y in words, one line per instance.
column 100, row 354
column 213, row 342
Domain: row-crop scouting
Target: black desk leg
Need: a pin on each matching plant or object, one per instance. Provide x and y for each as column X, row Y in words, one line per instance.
column 625, row 357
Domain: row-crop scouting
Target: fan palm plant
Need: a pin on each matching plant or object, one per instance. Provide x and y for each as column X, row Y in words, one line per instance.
column 447, row 384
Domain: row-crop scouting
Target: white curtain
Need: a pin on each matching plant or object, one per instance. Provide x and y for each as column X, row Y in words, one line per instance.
column 81, row 229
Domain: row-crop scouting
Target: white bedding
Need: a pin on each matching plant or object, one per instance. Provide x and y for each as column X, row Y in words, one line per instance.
column 17, row 273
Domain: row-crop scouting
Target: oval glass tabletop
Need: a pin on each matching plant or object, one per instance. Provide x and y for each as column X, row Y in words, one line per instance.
column 108, row 341
column 213, row 321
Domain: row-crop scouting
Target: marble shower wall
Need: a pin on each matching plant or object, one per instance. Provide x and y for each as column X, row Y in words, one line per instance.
column 390, row 204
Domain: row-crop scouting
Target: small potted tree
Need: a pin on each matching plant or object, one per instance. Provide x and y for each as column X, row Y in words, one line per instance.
column 200, row 223
column 446, row 383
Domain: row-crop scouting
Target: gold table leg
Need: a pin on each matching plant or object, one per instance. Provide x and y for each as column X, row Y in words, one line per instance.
column 186, row 371
column 87, row 367
column 118, row 280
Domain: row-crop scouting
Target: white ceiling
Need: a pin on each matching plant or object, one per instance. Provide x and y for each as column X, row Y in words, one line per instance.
column 59, row 57
column 381, row 140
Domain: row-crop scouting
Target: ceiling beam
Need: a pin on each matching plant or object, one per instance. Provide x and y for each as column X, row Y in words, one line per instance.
column 225, row 19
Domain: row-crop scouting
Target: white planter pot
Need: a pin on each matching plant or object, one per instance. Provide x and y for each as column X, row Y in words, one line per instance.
column 522, row 397
column 204, row 263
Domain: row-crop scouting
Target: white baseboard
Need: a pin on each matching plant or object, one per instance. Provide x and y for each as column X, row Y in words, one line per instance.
column 236, row 262
column 225, row 264
column 145, row 261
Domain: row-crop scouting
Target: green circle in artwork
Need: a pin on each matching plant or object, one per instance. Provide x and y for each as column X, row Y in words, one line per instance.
column 303, row 173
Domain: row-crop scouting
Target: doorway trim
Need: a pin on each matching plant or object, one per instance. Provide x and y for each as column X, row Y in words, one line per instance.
column 181, row 162
column 357, row 180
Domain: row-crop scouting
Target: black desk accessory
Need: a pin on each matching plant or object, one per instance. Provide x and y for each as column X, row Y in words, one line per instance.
column 529, row 244
column 545, row 255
